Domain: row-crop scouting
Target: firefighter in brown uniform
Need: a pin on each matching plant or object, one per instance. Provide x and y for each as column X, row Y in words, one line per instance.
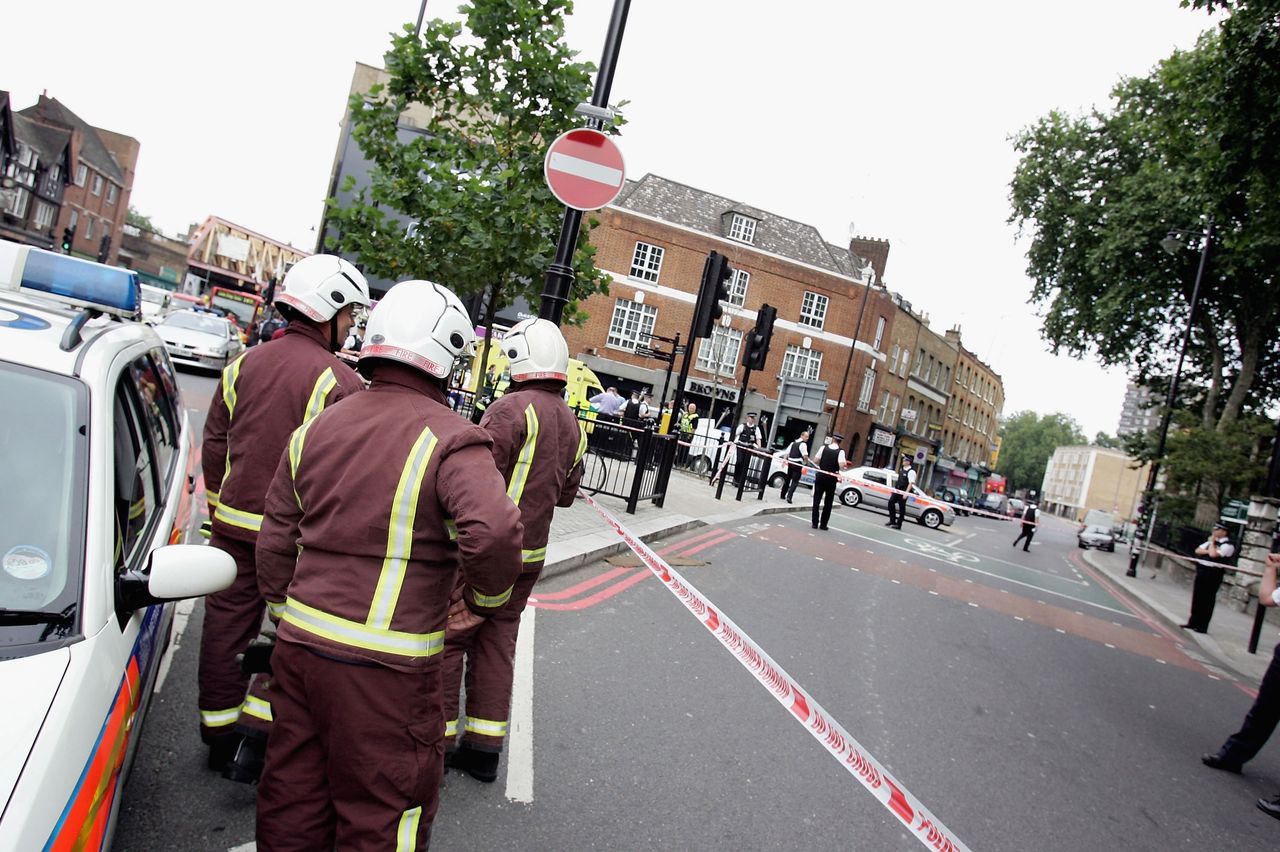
column 262, row 397
column 538, row 446
column 376, row 505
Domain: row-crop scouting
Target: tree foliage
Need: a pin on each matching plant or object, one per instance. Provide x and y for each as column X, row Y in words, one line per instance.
column 1216, row 465
column 1102, row 439
column 140, row 220
column 499, row 87
column 1027, row 443
column 1197, row 139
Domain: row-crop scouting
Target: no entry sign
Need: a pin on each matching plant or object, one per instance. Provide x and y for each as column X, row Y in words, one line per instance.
column 584, row 169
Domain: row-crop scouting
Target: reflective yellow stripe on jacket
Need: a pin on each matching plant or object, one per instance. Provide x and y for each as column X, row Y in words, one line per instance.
column 357, row 635
column 404, row 508
column 524, row 462
column 582, row 443
column 538, row 554
column 407, row 832
column 320, row 394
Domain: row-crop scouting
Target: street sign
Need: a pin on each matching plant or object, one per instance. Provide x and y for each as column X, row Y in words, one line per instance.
column 922, row 453
column 584, row 169
column 908, row 415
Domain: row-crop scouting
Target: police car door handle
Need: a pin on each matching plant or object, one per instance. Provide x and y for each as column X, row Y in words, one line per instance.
column 191, row 483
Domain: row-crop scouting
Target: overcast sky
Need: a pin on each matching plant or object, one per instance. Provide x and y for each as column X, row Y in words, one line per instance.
column 889, row 120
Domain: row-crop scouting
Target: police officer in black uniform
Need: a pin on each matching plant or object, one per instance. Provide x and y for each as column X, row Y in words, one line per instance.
column 897, row 500
column 829, row 461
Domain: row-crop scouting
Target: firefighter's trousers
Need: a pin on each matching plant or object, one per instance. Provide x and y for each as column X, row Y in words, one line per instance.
column 232, row 619
column 355, row 756
column 489, row 650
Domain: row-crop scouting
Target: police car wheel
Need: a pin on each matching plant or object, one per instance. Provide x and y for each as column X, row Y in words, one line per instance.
column 777, row 480
column 851, row 497
column 931, row 519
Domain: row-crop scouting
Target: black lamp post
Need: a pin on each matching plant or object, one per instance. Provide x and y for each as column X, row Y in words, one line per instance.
column 1171, row 243
column 857, row 330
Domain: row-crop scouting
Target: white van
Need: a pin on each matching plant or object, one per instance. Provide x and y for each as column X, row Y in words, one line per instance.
column 156, row 302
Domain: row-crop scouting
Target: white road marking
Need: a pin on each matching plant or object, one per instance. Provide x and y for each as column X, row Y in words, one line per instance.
column 251, row 846
column 181, row 615
column 520, row 735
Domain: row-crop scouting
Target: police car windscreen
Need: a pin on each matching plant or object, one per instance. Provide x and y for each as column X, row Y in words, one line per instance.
column 42, row 495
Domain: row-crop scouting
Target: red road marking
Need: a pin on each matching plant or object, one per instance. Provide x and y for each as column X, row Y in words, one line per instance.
column 702, row 540
column 602, row 595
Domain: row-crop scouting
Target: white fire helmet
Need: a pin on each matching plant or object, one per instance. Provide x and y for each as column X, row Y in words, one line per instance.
column 537, row 350
column 321, row 285
column 421, row 324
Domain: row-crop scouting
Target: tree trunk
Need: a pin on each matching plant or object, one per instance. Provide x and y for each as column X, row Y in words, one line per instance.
column 1209, row 413
column 1250, row 352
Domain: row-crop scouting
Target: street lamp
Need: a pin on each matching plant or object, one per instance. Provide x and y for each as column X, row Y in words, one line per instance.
column 1172, row 243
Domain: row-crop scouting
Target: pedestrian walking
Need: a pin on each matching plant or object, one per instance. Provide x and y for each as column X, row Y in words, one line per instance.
column 261, row 398
column 796, row 456
column 538, row 447
column 1204, row 590
column 747, row 438
column 904, row 483
column 376, row 506
column 829, row 461
column 1260, row 722
column 1028, row 526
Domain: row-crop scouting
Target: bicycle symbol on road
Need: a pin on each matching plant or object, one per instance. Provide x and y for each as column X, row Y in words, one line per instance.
column 928, row 548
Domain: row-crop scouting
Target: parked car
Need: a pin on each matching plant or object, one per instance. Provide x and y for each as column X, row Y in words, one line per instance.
column 200, row 339
column 869, row 487
column 97, row 445
column 1096, row 535
column 156, row 302
column 995, row 503
column 778, row 471
column 959, row 501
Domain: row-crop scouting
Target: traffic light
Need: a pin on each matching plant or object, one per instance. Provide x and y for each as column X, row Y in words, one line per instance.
column 104, row 248
column 68, row 235
column 757, row 348
column 713, row 290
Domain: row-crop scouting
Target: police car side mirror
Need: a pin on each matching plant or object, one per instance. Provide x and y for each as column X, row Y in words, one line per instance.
column 175, row 572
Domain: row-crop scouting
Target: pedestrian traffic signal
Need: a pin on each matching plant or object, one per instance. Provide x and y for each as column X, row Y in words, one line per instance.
column 68, row 235
column 104, row 248
column 757, row 348
column 713, row 290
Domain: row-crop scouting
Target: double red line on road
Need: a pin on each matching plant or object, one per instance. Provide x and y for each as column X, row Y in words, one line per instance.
column 562, row 600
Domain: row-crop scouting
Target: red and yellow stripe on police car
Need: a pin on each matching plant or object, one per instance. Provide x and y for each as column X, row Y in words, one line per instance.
column 83, row 823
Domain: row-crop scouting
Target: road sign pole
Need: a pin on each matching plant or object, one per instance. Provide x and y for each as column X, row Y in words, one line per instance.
column 559, row 279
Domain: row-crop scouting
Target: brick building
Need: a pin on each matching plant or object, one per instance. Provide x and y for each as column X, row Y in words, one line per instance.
column 96, row 186
column 36, row 169
column 653, row 241
column 973, row 418
column 158, row 260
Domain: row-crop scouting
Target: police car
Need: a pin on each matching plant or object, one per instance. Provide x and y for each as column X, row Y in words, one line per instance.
column 96, row 502
column 871, row 486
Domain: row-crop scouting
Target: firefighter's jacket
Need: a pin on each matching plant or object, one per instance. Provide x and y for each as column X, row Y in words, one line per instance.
column 375, row 506
column 263, row 396
column 538, row 446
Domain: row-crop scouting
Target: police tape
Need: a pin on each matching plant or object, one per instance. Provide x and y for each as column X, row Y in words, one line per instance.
column 1208, row 563
column 834, row 738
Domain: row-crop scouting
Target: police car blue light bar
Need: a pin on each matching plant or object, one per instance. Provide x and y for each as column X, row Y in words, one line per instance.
column 70, row 280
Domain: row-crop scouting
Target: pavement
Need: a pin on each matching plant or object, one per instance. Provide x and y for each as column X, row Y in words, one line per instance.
column 1163, row 587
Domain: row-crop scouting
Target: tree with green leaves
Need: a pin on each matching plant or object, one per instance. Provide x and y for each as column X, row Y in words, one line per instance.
column 140, row 220
column 1212, row 466
column 1198, row 139
column 498, row 88
column 1102, row 439
column 1027, row 442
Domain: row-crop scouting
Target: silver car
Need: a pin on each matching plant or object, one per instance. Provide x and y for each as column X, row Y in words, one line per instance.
column 869, row 487
column 199, row 339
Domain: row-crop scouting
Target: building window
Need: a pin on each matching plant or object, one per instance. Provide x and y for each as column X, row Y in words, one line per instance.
column 879, row 334
column 111, row 193
column 738, row 287
column 646, row 262
column 97, row 185
column 868, row 387
column 44, row 215
column 632, row 324
column 17, row 205
column 893, row 360
column 742, row 229
column 813, row 310
column 26, row 156
column 884, row 407
column 801, row 363
column 81, row 174
column 88, row 227
column 719, row 352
